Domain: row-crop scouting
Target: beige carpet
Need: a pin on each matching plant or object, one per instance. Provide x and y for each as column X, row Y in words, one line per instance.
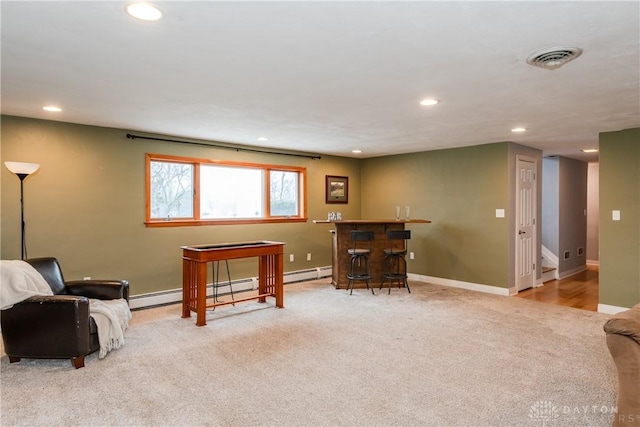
column 436, row 357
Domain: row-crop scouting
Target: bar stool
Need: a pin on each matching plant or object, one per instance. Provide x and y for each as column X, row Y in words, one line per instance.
column 215, row 275
column 359, row 268
column 394, row 265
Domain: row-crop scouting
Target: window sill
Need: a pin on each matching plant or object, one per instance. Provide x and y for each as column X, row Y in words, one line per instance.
column 196, row 223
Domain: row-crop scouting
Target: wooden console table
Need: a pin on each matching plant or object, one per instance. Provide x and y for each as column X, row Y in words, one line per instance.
column 194, row 273
column 342, row 242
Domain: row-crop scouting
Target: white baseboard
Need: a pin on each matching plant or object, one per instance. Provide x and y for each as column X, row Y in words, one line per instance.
column 611, row 309
column 460, row 284
column 593, row 262
column 247, row 284
column 571, row 272
column 241, row 285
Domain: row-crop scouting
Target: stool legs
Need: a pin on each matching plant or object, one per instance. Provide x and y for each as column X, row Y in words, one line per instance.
column 215, row 276
column 358, row 272
column 395, row 270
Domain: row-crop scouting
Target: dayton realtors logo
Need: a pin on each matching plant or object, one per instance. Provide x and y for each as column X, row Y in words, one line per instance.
column 545, row 411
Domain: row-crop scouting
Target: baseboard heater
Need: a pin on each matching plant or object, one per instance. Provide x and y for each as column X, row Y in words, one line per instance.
column 172, row 296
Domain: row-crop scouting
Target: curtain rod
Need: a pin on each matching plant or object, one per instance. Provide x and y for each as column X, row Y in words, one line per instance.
column 252, row 150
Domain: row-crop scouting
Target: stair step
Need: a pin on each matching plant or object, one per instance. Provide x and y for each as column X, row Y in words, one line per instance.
column 548, row 274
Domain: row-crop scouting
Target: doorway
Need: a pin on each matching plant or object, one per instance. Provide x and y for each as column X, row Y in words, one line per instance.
column 568, row 225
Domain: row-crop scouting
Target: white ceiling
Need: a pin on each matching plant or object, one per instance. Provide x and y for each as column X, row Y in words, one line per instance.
column 329, row 77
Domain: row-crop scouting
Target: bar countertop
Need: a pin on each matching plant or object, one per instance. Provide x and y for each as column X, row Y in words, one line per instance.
column 372, row 221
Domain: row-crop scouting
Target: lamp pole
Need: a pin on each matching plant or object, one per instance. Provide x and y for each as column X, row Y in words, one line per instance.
column 22, row 170
column 23, row 245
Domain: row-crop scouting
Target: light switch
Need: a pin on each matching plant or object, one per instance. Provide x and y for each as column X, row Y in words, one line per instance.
column 499, row 213
column 615, row 215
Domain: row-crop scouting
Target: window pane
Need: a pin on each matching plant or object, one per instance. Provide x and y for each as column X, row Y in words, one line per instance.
column 231, row 192
column 171, row 190
column 283, row 193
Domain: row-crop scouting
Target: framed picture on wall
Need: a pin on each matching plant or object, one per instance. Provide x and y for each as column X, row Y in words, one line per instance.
column 337, row 189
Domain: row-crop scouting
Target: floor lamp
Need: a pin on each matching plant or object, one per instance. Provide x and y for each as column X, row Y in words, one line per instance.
column 22, row 170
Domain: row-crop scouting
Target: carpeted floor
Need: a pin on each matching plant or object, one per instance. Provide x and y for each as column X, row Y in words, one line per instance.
column 436, row 357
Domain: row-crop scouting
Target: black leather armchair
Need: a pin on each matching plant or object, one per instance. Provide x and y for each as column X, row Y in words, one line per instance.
column 58, row 326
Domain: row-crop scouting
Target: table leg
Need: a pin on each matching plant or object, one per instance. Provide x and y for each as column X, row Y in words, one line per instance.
column 201, row 294
column 186, row 282
column 279, row 277
column 262, row 276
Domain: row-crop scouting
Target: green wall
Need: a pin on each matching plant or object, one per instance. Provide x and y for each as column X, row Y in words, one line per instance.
column 459, row 191
column 620, row 240
column 85, row 205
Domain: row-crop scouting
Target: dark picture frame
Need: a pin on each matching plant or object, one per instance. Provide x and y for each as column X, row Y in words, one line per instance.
column 337, row 189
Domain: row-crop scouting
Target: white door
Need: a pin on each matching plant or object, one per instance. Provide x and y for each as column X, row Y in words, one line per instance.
column 526, row 208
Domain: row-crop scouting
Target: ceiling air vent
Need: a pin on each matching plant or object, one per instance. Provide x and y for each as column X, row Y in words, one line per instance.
column 554, row 57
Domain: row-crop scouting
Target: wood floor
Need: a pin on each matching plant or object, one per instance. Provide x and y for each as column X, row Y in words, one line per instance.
column 578, row 291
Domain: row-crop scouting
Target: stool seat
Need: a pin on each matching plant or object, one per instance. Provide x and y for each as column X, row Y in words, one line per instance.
column 359, row 267
column 358, row 251
column 392, row 251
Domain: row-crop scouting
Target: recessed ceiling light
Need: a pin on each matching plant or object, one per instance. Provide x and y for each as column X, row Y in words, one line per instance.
column 263, row 138
column 52, row 108
column 429, row 101
column 518, row 130
column 590, row 150
column 144, row 11
column 356, row 151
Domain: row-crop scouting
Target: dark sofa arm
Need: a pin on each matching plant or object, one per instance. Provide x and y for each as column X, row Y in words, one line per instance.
column 58, row 323
column 99, row 289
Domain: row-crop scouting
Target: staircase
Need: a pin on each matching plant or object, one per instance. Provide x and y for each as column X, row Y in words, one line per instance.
column 549, row 265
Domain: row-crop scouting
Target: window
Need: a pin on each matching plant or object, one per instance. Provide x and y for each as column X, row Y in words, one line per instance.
column 283, row 193
column 171, row 190
column 231, row 192
column 186, row 191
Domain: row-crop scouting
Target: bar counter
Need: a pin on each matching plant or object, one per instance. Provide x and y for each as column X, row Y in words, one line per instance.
column 342, row 243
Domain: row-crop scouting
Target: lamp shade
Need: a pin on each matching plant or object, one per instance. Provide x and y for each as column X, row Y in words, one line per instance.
column 22, row 168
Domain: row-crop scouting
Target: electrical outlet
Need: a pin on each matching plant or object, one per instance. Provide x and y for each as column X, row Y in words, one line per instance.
column 309, row 257
column 86, row 278
column 291, row 258
column 412, row 255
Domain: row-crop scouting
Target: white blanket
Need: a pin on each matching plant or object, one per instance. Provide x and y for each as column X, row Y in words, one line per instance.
column 112, row 319
column 20, row 281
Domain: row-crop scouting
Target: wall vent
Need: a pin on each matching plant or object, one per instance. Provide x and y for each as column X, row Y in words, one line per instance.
column 553, row 58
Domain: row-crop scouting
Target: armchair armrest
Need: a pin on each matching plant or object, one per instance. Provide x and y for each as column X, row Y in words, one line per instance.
column 59, row 323
column 99, row 289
